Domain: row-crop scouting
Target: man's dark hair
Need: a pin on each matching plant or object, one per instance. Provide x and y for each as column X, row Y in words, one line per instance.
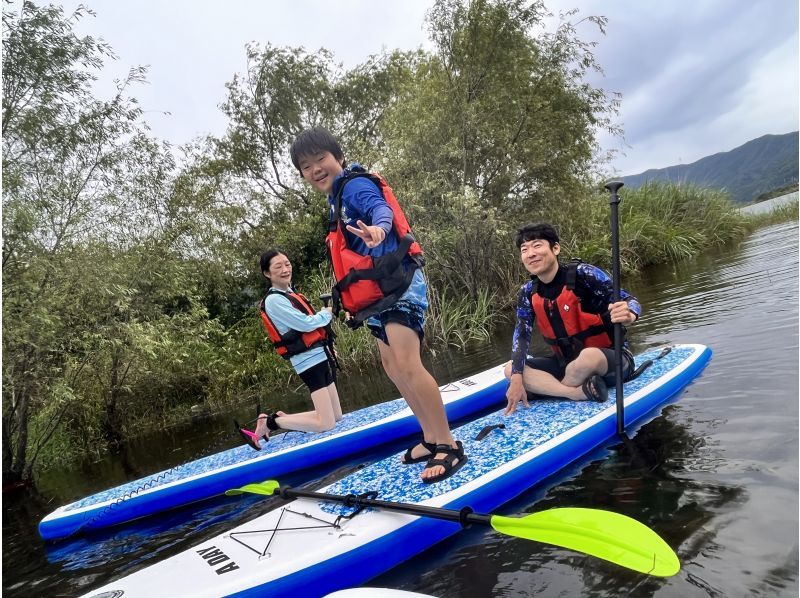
column 536, row 231
column 267, row 256
column 314, row 141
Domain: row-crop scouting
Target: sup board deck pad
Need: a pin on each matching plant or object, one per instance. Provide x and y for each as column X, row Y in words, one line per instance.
column 311, row 547
column 510, row 436
column 285, row 453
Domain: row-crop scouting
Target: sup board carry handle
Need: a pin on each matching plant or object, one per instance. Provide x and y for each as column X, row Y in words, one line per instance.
column 613, row 187
column 488, row 430
column 603, row 534
column 640, row 370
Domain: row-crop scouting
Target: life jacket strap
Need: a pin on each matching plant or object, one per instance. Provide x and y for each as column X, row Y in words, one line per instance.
column 384, row 272
column 293, row 341
column 382, row 266
column 580, row 336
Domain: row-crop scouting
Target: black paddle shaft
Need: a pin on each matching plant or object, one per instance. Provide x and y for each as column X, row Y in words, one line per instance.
column 465, row 517
column 613, row 187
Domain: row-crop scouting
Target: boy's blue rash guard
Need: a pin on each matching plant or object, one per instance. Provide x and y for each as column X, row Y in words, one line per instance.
column 286, row 316
column 593, row 287
column 362, row 200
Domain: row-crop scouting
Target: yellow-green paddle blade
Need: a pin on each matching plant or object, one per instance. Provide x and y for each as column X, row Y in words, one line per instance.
column 267, row 488
column 603, row 534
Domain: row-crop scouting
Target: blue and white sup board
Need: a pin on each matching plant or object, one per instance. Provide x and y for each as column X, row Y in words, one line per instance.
column 309, row 548
column 283, row 454
column 376, row 593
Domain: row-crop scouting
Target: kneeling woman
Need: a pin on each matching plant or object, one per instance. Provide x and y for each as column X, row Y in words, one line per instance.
column 299, row 335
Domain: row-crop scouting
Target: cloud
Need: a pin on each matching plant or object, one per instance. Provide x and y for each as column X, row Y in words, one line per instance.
column 696, row 77
column 194, row 47
column 682, row 69
column 770, row 95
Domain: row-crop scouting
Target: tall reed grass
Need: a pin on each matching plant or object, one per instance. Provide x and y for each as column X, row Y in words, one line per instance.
column 451, row 320
column 667, row 222
column 782, row 213
column 458, row 320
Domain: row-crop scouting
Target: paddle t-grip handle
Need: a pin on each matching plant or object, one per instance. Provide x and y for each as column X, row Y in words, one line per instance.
column 613, row 187
column 325, row 299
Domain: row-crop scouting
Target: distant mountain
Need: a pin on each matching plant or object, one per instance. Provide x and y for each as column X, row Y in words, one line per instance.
column 756, row 167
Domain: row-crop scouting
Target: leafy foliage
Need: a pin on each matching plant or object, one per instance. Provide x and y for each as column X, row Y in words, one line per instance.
column 100, row 303
column 676, row 222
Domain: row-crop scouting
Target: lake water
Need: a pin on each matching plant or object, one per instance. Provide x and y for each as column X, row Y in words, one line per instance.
column 716, row 474
column 768, row 205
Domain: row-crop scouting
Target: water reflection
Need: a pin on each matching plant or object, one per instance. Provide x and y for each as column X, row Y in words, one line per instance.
column 715, row 475
column 641, row 478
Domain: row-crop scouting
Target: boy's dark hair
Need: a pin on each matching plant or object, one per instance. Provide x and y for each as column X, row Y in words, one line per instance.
column 267, row 256
column 535, row 231
column 314, row 141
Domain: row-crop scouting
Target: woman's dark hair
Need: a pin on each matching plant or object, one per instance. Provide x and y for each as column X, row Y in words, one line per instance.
column 314, row 141
column 267, row 256
column 535, row 231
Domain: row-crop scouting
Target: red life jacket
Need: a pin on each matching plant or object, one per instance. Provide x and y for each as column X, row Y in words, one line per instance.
column 565, row 326
column 293, row 342
column 367, row 285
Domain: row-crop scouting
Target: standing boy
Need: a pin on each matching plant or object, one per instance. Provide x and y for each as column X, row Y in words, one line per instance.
column 370, row 237
column 571, row 305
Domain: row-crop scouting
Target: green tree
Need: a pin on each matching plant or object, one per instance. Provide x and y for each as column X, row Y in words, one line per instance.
column 497, row 126
column 84, row 189
column 509, row 110
column 284, row 91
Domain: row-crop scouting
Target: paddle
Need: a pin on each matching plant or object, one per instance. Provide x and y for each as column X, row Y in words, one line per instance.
column 613, row 187
column 329, row 350
column 603, row 534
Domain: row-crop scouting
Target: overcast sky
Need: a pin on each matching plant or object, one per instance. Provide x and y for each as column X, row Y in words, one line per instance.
column 696, row 76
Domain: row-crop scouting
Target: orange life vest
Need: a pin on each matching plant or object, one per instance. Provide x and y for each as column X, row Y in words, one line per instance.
column 565, row 326
column 367, row 285
column 293, row 342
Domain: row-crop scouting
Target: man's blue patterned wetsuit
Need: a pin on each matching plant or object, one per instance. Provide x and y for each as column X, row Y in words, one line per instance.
column 594, row 288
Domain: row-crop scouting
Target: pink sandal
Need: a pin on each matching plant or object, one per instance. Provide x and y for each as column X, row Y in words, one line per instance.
column 250, row 438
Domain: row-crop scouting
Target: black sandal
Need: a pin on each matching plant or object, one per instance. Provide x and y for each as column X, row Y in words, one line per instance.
column 408, row 459
column 449, row 468
column 595, row 389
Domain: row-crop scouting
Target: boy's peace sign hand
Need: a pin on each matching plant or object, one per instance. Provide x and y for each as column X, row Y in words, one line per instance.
column 371, row 235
